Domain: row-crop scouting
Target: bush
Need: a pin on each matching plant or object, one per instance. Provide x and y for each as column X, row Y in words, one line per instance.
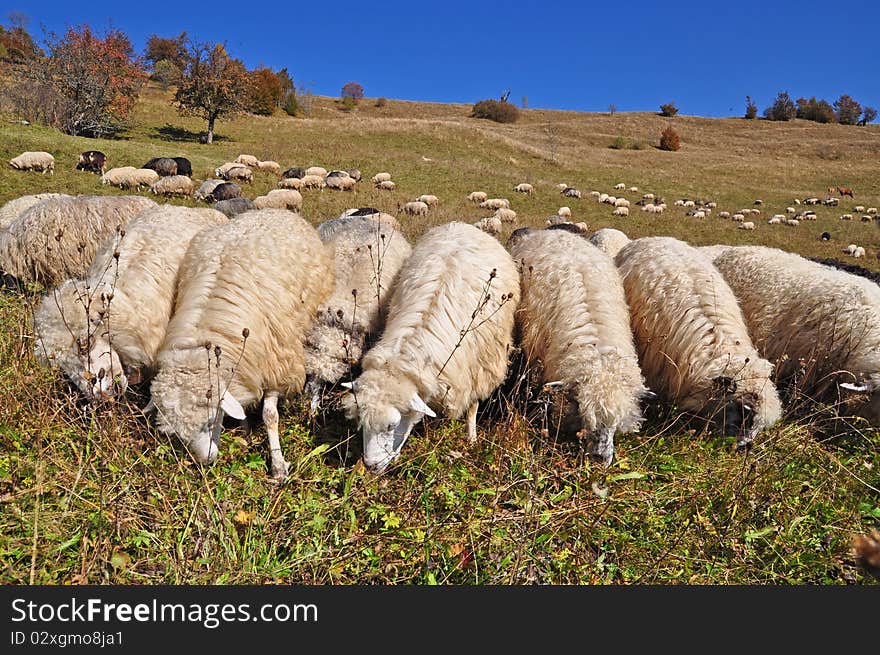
column 381, row 102
column 669, row 109
column 290, row 104
column 669, row 139
column 868, row 115
column 782, row 109
column 751, row 108
column 264, row 91
column 165, row 72
column 815, row 110
column 619, row 143
column 352, row 91
column 495, row 110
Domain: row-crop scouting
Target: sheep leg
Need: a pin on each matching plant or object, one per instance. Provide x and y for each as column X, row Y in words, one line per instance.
column 270, row 418
column 472, row 423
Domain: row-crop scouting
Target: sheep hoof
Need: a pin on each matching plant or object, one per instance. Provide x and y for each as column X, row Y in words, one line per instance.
column 744, row 445
column 280, row 471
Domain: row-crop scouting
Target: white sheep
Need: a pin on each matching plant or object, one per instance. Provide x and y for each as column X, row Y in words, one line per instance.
column 248, row 292
column 429, row 199
column 860, row 252
column 477, row 196
column 34, row 161
column 746, row 225
column 381, row 177
column 775, row 221
column 846, row 217
column 57, row 239
column 647, row 196
column 446, row 340
column 206, row 188
column 524, row 188
column 340, row 183
column 790, row 210
column 268, row 166
column 489, row 224
column 724, row 215
column 506, row 215
column 689, row 204
column 247, row 160
column 574, row 325
column 280, row 199
column 367, row 256
column 738, row 218
column 561, row 186
column 312, row 182
column 316, row 170
column 609, row 240
column 871, row 210
column 221, row 170
column 386, row 185
column 495, row 203
column 116, row 176
column 648, row 207
column 294, row 183
column 180, row 185
column 693, row 344
column 415, row 208
column 114, row 318
column 621, row 202
column 571, row 192
column 610, row 200
column 564, row 211
column 620, row 185
column 238, row 173
column 370, row 213
column 793, row 222
column 621, row 211
column 859, row 209
column 17, row 206
column 820, row 325
column 634, row 189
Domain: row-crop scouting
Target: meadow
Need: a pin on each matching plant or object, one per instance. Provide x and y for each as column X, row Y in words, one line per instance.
column 97, row 495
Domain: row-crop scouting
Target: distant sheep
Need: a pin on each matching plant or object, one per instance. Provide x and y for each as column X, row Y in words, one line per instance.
column 489, row 224
column 477, row 196
column 776, row 220
column 706, row 364
column 206, row 188
column 621, row 202
column 184, row 166
column 524, row 188
column 570, row 192
column 312, row 182
column 280, row 199
column 179, row 185
column 621, row 211
column 738, row 218
column 93, row 161
column 792, row 222
column 415, row 208
column 355, row 174
column 240, row 173
column 506, row 215
column 290, row 183
column 574, row 325
column 429, row 199
column 164, row 166
column 370, row 213
column 609, row 240
column 495, row 203
column 564, row 211
column 233, row 206
column 340, row 183
column 225, row 191
column 746, row 225
column 561, row 186
column 295, row 172
column 247, row 160
column 250, row 288
column 381, row 177
column 316, row 170
column 386, row 185
column 446, row 340
column 34, row 161
column 269, row 166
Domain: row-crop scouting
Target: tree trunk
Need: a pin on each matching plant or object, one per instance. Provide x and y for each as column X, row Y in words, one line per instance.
column 210, row 138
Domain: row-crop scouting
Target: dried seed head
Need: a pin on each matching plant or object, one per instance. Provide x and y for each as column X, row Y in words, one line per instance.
column 354, row 292
column 339, row 314
column 122, row 233
column 101, row 374
column 217, row 352
column 116, row 255
column 493, row 273
column 245, row 333
column 207, row 345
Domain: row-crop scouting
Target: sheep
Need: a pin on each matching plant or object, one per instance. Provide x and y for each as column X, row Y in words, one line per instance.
column 355, row 174
column 242, row 173
column 738, row 218
column 114, row 318
column 711, row 205
column 116, row 176
column 699, row 215
column 224, row 191
column 371, row 213
column 415, row 208
column 340, row 183
column 129, row 177
column 779, row 217
column 689, row 204
column 846, row 217
column 561, row 186
column 290, row 183
column 206, row 188
column 93, row 161
column 634, row 189
column 367, row 256
column 647, row 196
column 477, row 196
column 184, row 166
column 294, row 172
column 574, row 324
column 858, row 209
column 620, row 185
column 164, row 166
column 570, row 192
column 621, row 202
column 279, row 199
column 556, row 219
column 693, row 344
column 248, row 291
column 269, row 166
column 871, row 210
column 775, row 221
column 58, row 238
column 386, row 185
column 564, row 211
column 495, row 203
column 610, row 200
column 337, row 173
column 648, row 207
column 758, row 202
column 247, row 160
column 506, row 215
column 609, row 240
column 381, row 177
column 747, row 225
column 621, row 211
column 34, row 161
column 233, row 206
column 792, row 222
column 524, row 188
column 790, row 210
column 446, row 340
column 860, row 252
column 174, row 185
column 17, row 206
column 724, row 215
column 428, row 199
column 603, row 197
column 312, row 182
column 220, row 171
column 866, row 219
column 820, row 325
column 489, row 224
column 316, row 170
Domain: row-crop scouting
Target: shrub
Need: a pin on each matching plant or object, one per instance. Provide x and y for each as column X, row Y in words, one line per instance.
column 669, row 109
column 868, row 115
column 290, row 104
column 848, row 110
column 495, row 110
column 165, row 72
column 782, row 109
column 669, row 139
column 619, row 143
column 381, row 102
column 354, row 91
column 815, row 110
column 751, row 108
column 637, row 145
column 264, row 91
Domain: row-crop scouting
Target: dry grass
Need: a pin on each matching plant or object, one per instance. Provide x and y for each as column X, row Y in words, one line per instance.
column 96, row 495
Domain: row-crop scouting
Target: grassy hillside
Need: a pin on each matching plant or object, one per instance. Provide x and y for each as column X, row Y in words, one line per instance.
column 97, row 495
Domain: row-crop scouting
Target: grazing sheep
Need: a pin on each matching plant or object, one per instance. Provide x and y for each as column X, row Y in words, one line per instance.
column 381, row 177
column 224, row 191
column 58, row 238
column 179, row 185
column 206, row 188
column 595, row 194
column 738, row 218
column 793, row 222
column 871, row 210
column 184, row 166
column 570, row 192
column 428, row 199
column 241, row 173
column 693, row 344
column 495, row 203
column 340, row 183
column 506, row 215
column 280, row 199
column 610, row 200
column 825, row 236
column 621, row 202
column 371, row 213
column 17, row 206
column 634, row 189
column 34, row 161
column 248, row 292
column 524, row 188
column 574, row 324
column 489, row 224
column 620, row 185
column 758, row 202
column 269, row 166
column 290, row 183
column 790, row 210
column 446, row 340
column 564, row 211
column 220, row 171
column 366, row 256
column 724, row 215
column 776, row 221
column 858, row 209
column 316, row 170
column 354, row 174
column 621, row 211
column 477, row 196
column 747, row 225
column 93, row 161
column 312, row 182
column 233, row 206
column 116, row 176
column 820, row 325
column 114, row 319
column 337, row 173
column 129, row 177
column 415, row 208
column 609, row 240
column 860, row 252
column 386, row 185
column 247, row 160
column 556, row 219
column 603, row 197
column 846, row 217
column 295, row 172
column 688, row 204
column 164, row 166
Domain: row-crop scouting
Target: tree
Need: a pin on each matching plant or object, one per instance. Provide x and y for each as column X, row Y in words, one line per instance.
column 88, row 84
column 352, row 90
column 751, row 108
column 287, row 85
column 213, row 84
column 669, row 139
column 782, row 109
column 265, row 91
column 815, row 110
column 868, row 115
column 669, row 109
column 16, row 44
column 848, row 110
column 173, row 50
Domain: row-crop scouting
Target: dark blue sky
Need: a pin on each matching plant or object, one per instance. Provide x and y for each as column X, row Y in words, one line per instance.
column 706, row 56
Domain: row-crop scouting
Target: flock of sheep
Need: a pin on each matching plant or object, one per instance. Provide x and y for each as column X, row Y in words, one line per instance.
column 222, row 311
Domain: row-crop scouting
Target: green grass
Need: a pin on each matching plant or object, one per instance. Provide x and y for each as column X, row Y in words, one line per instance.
column 93, row 495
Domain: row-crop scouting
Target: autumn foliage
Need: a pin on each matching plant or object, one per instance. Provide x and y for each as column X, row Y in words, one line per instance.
column 669, row 139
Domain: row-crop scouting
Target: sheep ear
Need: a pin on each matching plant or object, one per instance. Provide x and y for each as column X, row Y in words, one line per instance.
column 151, row 407
column 419, row 405
column 231, row 406
column 647, row 394
column 855, row 387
